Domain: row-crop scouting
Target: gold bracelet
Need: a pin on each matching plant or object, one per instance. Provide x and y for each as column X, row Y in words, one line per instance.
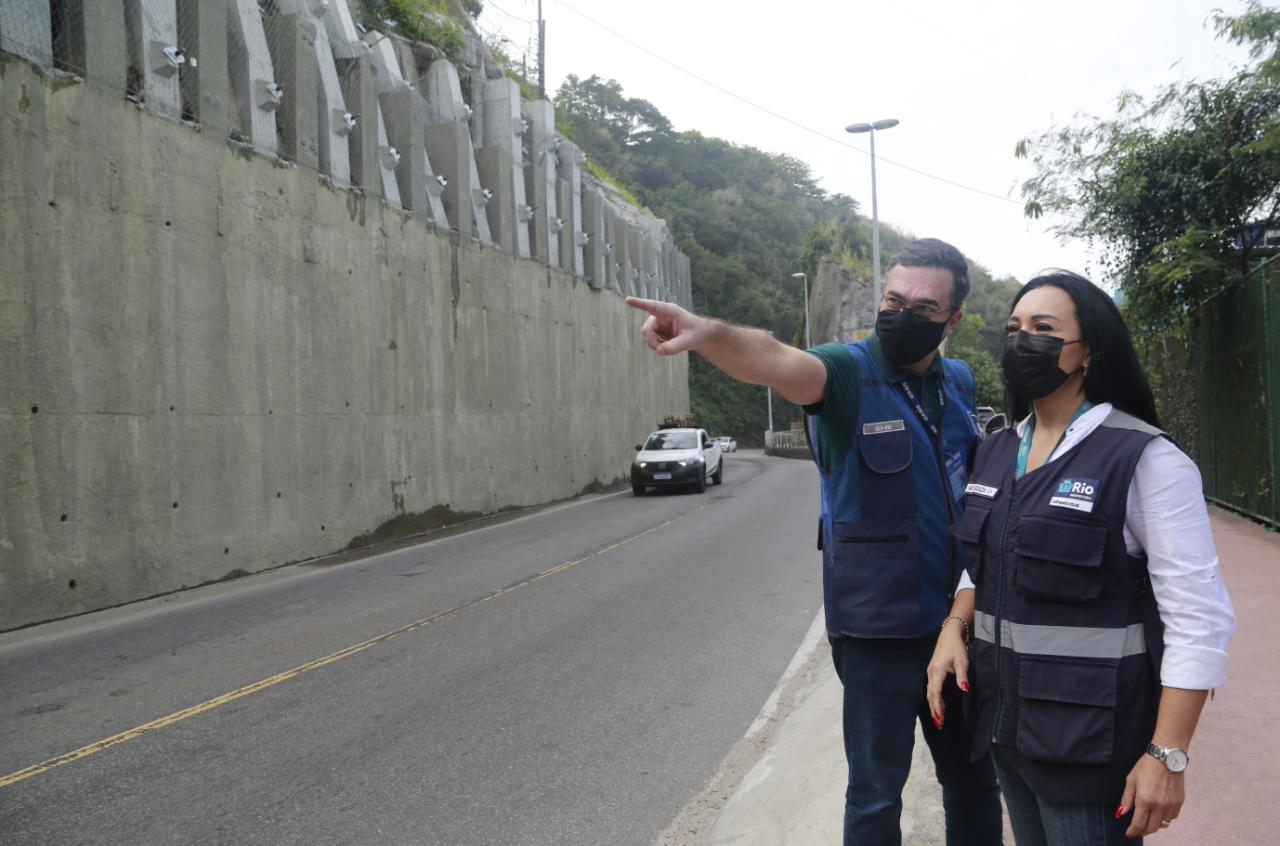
column 964, row 632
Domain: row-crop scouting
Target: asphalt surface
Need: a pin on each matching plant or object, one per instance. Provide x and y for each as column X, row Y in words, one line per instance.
column 570, row 676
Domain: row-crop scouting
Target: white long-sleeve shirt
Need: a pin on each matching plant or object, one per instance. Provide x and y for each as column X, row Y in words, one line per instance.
column 1167, row 518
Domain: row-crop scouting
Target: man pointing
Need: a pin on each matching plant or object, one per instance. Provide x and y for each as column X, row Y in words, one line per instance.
column 892, row 429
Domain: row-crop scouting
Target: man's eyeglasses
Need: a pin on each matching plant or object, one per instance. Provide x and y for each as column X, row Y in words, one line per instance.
column 892, row 302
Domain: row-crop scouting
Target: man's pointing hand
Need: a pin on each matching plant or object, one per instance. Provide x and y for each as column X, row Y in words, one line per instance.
column 669, row 329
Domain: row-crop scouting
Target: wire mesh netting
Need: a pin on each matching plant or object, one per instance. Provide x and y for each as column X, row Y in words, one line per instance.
column 1218, row 389
column 1238, row 355
column 154, row 52
column 335, row 86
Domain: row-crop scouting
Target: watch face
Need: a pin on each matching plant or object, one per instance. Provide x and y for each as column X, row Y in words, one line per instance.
column 1176, row 760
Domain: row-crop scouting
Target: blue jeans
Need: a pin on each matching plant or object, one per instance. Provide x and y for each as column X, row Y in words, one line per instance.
column 884, row 695
column 1039, row 822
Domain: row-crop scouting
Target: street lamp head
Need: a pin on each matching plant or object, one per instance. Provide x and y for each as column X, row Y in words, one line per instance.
column 887, row 123
column 799, row 275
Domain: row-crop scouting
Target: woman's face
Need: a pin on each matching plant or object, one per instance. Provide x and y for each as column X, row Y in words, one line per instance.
column 1049, row 310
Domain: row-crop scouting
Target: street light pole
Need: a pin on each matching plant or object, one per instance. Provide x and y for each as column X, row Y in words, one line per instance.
column 808, row 342
column 768, row 437
column 871, row 128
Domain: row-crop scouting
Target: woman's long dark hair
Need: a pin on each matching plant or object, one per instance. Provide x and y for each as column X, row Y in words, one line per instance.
column 1114, row 374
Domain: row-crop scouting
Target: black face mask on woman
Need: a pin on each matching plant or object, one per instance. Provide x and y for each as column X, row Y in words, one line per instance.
column 1030, row 363
column 905, row 337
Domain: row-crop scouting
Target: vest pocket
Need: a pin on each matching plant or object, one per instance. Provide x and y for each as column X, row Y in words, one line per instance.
column 887, row 452
column 1066, row 710
column 968, row 530
column 1060, row 560
column 876, row 576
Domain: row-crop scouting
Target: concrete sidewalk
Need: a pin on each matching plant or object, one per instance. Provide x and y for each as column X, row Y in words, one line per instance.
column 793, row 795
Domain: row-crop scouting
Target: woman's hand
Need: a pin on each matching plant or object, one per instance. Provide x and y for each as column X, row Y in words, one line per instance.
column 949, row 656
column 1154, row 793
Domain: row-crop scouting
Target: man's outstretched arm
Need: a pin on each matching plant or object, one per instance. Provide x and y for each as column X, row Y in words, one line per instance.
column 748, row 355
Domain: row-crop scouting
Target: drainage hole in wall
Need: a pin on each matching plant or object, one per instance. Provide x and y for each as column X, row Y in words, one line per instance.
column 168, row 223
column 175, row 506
column 277, row 494
column 64, row 518
column 322, row 528
column 35, row 409
column 72, row 584
column 226, row 550
column 171, row 408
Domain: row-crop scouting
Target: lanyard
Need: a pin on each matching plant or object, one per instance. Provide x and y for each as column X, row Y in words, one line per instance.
column 919, row 409
column 1024, row 449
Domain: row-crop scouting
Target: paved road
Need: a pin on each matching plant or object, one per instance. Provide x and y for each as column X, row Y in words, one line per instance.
column 570, row 676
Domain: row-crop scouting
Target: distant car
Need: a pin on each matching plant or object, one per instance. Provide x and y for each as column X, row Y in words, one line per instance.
column 727, row 444
column 677, row 457
column 995, row 424
column 985, row 413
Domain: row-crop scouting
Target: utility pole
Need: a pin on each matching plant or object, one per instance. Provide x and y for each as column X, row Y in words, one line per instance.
column 542, row 54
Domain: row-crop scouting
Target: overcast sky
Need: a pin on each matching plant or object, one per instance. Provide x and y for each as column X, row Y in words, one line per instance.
column 967, row 80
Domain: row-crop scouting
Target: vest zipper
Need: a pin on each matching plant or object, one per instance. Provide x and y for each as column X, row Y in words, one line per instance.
column 999, row 616
column 950, row 589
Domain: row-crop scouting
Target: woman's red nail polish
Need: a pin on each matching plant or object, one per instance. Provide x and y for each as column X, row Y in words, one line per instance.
column 1119, row 811
column 964, row 685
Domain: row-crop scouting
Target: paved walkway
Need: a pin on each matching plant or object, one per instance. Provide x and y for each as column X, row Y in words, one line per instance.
column 793, row 794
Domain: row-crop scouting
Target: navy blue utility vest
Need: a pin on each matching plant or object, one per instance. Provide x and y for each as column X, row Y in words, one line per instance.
column 889, row 566
column 1064, row 669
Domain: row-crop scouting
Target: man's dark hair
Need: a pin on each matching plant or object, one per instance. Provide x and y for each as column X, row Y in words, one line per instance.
column 1114, row 374
column 930, row 252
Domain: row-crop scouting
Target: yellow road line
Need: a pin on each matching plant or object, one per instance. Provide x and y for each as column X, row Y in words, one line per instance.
column 210, row 704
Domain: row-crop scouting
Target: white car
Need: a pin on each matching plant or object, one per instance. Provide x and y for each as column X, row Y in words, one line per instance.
column 727, row 444
column 677, row 457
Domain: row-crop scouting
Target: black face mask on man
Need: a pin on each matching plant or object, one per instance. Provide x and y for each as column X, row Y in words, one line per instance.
column 905, row 337
column 1030, row 363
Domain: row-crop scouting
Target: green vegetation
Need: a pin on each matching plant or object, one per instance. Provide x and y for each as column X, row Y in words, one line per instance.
column 440, row 23
column 1170, row 184
column 979, row 338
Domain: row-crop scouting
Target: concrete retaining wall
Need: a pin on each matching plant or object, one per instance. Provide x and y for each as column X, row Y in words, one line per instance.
column 212, row 362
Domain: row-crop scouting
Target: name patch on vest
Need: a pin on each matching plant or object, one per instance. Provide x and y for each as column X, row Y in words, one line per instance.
column 882, row 427
column 982, row 490
column 1076, row 494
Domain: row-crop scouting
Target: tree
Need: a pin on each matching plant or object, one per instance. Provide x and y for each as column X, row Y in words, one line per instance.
column 969, row 343
column 1173, row 186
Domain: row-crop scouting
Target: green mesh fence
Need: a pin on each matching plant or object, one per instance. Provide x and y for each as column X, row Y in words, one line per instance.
column 1236, row 359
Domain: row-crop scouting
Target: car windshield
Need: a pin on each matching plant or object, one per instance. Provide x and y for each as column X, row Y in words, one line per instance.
column 672, row 440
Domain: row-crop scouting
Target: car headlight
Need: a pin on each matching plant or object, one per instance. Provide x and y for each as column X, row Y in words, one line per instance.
column 642, row 464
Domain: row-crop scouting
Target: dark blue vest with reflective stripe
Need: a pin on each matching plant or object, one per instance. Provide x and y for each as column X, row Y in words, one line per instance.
column 1064, row 668
column 889, row 565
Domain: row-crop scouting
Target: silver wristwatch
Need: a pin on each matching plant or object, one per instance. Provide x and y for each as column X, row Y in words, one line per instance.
column 1171, row 756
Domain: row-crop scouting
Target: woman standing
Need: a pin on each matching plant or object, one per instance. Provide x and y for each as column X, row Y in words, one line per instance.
column 1099, row 621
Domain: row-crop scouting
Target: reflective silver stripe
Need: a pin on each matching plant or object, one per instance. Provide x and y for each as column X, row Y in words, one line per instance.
column 1120, row 420
column 1061, row 641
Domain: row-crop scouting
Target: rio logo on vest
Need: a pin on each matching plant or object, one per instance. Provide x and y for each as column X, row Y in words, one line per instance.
column 1076, row 494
